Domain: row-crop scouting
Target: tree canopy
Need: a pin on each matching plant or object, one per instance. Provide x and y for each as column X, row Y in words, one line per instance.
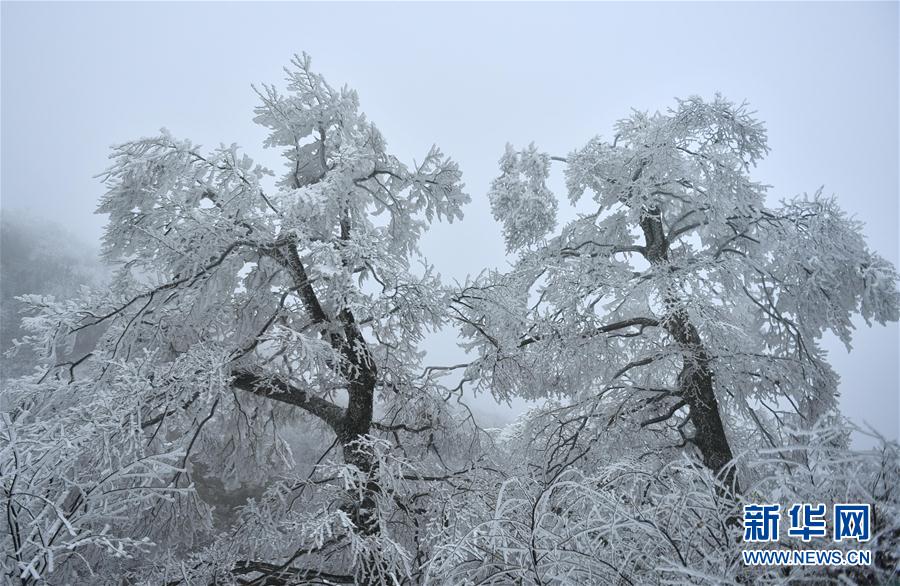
column 683, row 299
column 254, row 408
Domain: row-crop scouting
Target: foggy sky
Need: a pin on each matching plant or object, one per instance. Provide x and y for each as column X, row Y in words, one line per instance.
column 77, row 78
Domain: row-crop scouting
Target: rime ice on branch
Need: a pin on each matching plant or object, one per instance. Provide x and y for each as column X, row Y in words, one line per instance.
column 236, row 307
column 683, row 307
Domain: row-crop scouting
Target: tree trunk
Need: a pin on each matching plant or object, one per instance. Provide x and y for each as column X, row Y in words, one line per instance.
column 355, row 425
column 696, row 380
column 359, row 370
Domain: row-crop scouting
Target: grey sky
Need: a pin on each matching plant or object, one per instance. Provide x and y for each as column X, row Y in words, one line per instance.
column 469, row 77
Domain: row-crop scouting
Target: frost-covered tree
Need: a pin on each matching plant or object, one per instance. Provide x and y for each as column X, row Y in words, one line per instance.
column 241, row 312
column 681, row 310
column 625, row 524
column 670, row 335
column 260, row 343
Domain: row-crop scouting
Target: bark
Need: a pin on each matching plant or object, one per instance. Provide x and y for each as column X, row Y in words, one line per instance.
column 359, row 371
column 349, row 425
column 357, row 421
column 696, row 381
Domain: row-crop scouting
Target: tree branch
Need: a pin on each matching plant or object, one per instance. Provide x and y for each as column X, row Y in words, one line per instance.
column 665, row 416
column 278, row 390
